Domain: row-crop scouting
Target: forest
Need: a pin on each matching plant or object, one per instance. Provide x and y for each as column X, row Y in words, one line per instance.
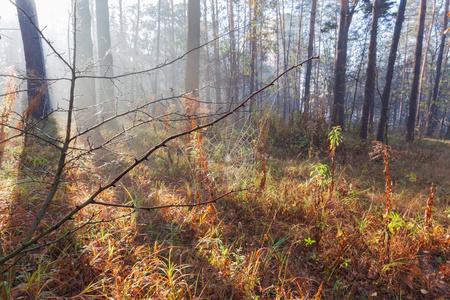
column 224, row 149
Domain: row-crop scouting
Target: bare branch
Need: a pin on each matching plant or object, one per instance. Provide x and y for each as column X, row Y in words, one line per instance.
column 170, row 205
column 31, row 241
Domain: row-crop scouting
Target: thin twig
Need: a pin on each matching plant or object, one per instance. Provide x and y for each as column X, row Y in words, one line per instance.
column 132, row 206
column 137, row 162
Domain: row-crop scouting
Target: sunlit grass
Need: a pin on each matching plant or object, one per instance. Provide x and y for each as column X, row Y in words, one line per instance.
column 288, row 239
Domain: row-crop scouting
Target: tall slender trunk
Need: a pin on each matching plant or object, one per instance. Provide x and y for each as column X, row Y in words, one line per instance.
column 158, row 42
column 107, row 98
column 192, row 80
column 284, row 64
column 208, row 77
column 390, row 71
column 85, row 88
column 312, row 22
column 261, row 61
column 172, row 47
column 277, row 40
column 233, row 89
column 369, row 89
column 410, row 125
column 404, row 77
column 185, row 19
column 423, row 70
column 441, row 88
column 217, row 75
column 291, row 80
column 37, row 86
column 432, row 114
column 340, row 63
column 135, row 46
column 358, row 74
column 253, row 57
column 317, row 87
column 122, row 33
column 298, row 72
column 136, row 27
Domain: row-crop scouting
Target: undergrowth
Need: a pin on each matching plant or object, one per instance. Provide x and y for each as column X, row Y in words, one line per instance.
column 330, row 225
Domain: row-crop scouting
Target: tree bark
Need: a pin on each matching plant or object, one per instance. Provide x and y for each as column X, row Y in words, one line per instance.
column 432, row 115
column 358, row 75
column 340, row 63
column 233, row 91
column 312, row 22
column 193, row 43
column 107, row 100
column 369, row 89
column 390, row 71
column 134, row 84
column 172, row 48
column 298, row 73
column 85, row 87
column 37, row 87
column 217, row 75
column 158, row 40
column 410, row 125
column 253, row 51
column 404, row 77
column 209, row 77
column 423, row 69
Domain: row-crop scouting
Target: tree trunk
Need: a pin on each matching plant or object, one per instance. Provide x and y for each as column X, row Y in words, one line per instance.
column 122, row 32
column 390, row 70
column 283, row 80
column 443, row 87
column 85, row 87
column 107, row 100
column 410, row 125
column 404, row 77
column 423, row 70
column 358, row 75
column 135, row 46
column 277, row 47
column 172, row 48
column 208, row 78
column 136, row 26
column 369, row 89
column 340, row 63
column 312, row 22
column 158, row 42
column 217, row 75
column 317, row 86
column 298, row 71
column 253, row 50
column 37, row 87
column 233, row 91
column 432, row 115
column 193, row 43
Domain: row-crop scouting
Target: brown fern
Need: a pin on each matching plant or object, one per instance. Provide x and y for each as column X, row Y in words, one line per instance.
column 261, row 148
column 429, row 210
column 384, row 151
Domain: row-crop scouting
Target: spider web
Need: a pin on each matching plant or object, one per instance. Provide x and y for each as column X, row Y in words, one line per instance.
column 231, row 149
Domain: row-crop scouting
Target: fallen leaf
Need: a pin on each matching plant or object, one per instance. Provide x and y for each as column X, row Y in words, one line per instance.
column 415, row 270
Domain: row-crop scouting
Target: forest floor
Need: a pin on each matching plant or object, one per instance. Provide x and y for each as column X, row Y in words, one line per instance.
column 289, row 227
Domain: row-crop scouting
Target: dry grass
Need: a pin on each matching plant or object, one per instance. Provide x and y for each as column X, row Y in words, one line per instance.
column 288, row 238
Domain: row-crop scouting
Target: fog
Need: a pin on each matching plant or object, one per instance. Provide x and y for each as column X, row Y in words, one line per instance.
column 132, row 50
